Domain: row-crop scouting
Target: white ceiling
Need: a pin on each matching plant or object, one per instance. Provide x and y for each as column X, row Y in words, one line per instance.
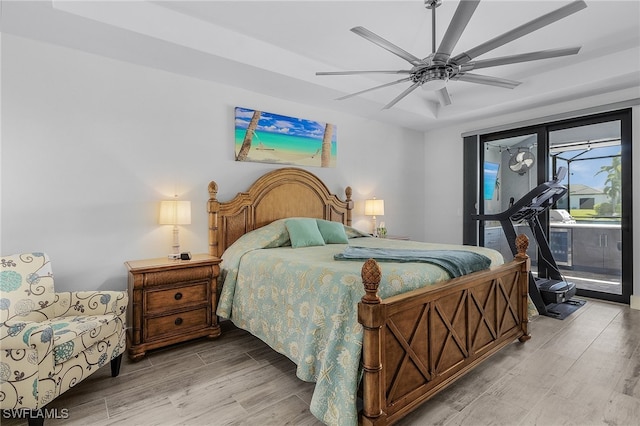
column 275, row 47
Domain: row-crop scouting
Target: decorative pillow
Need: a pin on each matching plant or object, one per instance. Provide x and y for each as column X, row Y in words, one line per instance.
column 332, row 232
column 304, row 232
column 354, row 233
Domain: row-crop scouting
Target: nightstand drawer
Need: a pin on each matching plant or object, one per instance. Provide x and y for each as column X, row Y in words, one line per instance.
column 176, row 323
column 174, row 298
column 177, row 275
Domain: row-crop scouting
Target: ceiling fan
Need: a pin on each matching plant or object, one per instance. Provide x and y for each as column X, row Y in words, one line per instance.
column 434, row 71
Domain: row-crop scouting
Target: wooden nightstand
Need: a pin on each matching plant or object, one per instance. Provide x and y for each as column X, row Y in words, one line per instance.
column 171, row 301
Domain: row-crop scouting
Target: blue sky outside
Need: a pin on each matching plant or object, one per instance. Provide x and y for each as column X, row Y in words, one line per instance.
column 283, row 125
column 584, row 172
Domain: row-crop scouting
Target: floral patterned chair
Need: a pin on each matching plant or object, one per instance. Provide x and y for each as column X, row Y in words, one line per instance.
column 51, row 341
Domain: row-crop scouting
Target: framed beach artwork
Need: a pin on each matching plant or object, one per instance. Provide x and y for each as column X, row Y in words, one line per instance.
column 491, row 181
column 265, row 137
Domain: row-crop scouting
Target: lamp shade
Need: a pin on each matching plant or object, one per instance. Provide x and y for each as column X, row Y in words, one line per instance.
column 174, row 212
column 374, row 207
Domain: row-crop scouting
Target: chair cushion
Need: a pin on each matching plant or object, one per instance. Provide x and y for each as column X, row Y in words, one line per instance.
column 74, row 334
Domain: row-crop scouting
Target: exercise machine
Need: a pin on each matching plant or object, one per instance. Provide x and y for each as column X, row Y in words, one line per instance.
column 549, row 289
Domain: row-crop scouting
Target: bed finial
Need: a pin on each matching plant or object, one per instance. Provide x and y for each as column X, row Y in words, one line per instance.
column 213, row 189
column 347, row 193
column 371, row 275
column 213, row 207
column 522, row 244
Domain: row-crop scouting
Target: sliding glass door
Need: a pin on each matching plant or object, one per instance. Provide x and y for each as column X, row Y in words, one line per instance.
column 590, row 220
column 589, row 230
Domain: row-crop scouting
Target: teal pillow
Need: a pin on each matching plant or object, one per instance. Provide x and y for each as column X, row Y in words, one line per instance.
column 332, row 232
column 304, row 232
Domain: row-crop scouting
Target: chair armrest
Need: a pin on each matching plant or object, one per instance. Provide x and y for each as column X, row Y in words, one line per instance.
column 91, row 303
column 26, row 359
column 26, row 335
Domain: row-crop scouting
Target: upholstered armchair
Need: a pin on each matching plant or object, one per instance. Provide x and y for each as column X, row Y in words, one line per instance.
column 50, row 341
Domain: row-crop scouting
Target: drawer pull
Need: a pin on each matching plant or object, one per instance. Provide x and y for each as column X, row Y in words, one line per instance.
column 178, row 296
column 178, row 321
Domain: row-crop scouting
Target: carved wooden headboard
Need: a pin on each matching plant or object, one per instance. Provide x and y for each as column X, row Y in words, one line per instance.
column 281, row 193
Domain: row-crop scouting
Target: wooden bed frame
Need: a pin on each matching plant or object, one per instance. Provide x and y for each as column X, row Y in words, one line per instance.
column 414, row 344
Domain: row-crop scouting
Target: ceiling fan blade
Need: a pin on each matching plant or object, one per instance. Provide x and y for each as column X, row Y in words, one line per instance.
column 402, row 80
column 362, row 72
column 520, row 31
column 397, row 99
column 485, row 79
column 387, row 45
column 443, row 96
column 456, row 27
column 523, row 57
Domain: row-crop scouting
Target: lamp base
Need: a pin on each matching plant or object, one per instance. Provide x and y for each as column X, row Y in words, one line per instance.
column 176, row 244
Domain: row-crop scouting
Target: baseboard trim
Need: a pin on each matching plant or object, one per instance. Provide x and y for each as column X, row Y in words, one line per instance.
column 635, row 302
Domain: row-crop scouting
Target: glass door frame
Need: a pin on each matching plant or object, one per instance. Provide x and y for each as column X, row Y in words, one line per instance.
column 541, row 164
column 473, row 231
column 624, row 117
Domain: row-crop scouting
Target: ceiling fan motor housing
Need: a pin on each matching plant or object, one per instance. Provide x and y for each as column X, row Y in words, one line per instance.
column 433, row 72
column 432, row 4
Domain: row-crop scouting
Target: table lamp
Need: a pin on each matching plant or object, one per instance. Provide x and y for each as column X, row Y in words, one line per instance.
column 374, row 207
column 175, row 212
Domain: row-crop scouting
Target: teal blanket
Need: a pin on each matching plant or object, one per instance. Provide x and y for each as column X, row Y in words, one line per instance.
column 455, row 262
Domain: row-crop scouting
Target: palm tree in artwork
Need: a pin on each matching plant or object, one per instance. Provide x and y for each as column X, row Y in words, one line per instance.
column 248, row 136
column 325, row 158
column 613, row 183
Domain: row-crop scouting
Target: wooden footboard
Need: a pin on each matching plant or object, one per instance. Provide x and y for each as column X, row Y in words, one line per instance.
column 417, row 343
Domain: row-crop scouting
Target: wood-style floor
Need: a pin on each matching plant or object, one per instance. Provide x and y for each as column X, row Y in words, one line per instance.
column 584, row 370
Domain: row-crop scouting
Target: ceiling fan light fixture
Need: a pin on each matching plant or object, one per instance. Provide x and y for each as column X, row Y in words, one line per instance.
column 433, row 78
column 434, row 85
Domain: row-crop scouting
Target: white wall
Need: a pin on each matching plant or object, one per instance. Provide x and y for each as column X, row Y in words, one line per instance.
column 444, row 153
column 91, row 145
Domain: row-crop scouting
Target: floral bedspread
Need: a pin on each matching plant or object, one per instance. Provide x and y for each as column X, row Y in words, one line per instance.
column 303, row 304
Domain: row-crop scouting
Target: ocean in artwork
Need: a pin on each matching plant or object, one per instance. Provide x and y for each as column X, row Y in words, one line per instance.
column 284, row 140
